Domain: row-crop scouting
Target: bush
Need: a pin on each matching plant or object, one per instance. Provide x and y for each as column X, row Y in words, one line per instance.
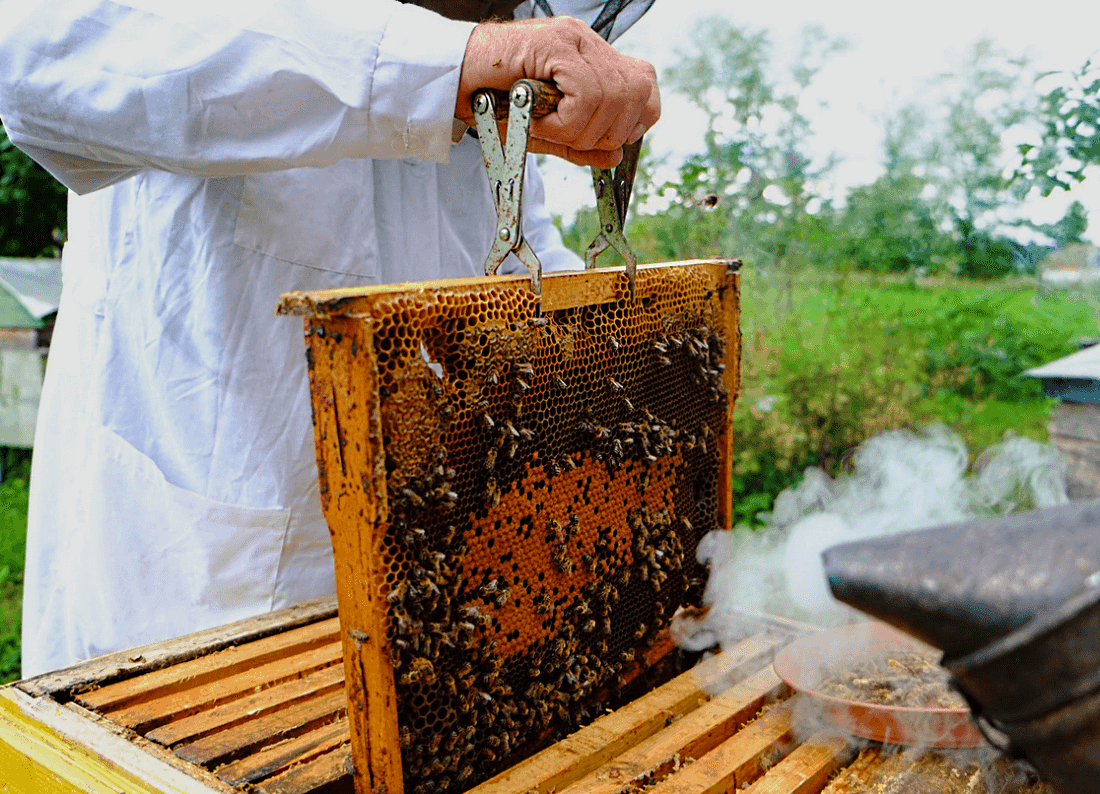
column 32, row 205
column 13, row 541
column 978, row 350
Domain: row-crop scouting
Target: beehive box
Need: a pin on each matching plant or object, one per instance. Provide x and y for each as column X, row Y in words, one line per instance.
column 516, row 486
column 251, row 709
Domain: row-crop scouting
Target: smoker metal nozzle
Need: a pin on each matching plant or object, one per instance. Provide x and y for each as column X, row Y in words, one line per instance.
column 1014, row 603
column 963, row 586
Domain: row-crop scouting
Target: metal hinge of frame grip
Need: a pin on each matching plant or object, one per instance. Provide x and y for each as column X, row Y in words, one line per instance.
column 506, row 163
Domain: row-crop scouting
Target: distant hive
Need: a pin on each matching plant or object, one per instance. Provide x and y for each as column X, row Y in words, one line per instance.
column 547, row 480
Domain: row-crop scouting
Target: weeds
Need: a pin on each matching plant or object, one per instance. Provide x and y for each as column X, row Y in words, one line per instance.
column 13, row 541
column 830, row 362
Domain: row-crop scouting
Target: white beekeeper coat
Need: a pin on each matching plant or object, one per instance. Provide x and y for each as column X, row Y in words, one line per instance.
column 220, row 154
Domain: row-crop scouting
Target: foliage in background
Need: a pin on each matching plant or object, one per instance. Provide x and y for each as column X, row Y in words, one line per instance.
column 1070, row 114
column 13, row 540
column 828, row 362
column 32, row 205
column 754, row 175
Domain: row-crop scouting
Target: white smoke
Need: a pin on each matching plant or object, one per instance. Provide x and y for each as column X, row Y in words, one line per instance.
column 900, row 481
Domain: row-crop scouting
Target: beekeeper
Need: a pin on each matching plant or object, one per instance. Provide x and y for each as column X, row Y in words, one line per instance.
column 218, row 155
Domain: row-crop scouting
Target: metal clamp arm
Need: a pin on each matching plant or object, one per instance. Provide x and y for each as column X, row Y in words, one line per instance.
column 506, row 164
column 612, row 201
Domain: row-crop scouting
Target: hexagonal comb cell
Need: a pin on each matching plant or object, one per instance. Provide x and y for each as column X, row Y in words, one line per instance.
column 533, row 480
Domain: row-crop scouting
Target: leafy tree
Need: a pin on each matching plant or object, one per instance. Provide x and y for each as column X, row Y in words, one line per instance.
column 888, row 225
column 32, row 205
column 966, row 159
column 1070, row 140
column 752, row 187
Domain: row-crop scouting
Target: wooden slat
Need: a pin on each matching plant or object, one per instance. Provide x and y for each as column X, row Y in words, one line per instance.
column 46, row 748
column 310, row 776
column 211, row 667
column 274, row 698
column 738, row 760
column 255, row 734
column 559, row 290
column 612, row 734
column 858, row 774
column 277, row 758
column 808, row 768
column 177, row 707
column 137, row 661
column 692, row 736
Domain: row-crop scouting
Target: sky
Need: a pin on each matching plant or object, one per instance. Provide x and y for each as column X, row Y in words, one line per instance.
column 894, row 49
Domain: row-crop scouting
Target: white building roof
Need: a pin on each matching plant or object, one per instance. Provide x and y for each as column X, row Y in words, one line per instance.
column 1083, row 364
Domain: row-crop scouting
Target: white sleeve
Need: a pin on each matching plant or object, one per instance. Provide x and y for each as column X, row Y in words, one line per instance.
column 96, row 90
column 591, row 12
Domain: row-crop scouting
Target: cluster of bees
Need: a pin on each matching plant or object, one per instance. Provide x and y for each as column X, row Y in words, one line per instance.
column 465, row 707
column 705, row 351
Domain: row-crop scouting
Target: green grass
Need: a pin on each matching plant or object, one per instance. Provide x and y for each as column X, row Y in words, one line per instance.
column 13, row 541
column 829, row 360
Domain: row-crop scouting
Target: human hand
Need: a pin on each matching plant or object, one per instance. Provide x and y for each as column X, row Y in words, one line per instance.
column 608, row 98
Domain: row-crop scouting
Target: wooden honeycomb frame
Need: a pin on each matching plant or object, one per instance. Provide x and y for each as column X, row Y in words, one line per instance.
column 384, row 396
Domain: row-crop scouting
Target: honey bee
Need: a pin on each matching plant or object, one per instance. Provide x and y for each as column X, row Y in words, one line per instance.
column 420, row 669
column 412, row 496
column 525, row 369
column 398, row 593
column 406, row 739
column 589, row 626
column 664, row 361
column 559, row 381
column 502, row 599
column 628, row 405
column 568, row 463
column 613, row 342
column 490, row 459
column 487, row 420
column 464, row 773
column 433, row 748
column 538, row 322
column 492, row 493
column 527, row 433
column 524, row 387
column 562, row 559
column 492, row 379
column 614, row 384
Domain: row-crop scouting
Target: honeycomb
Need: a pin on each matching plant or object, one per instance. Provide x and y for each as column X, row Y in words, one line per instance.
column 548, row 477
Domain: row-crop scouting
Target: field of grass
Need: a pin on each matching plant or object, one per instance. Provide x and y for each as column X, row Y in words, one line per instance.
column 828, row 361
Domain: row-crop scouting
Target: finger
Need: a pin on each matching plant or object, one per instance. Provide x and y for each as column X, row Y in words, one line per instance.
column 595, row 158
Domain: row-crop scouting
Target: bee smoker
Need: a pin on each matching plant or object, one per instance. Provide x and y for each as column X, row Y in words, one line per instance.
column 1014, row 603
